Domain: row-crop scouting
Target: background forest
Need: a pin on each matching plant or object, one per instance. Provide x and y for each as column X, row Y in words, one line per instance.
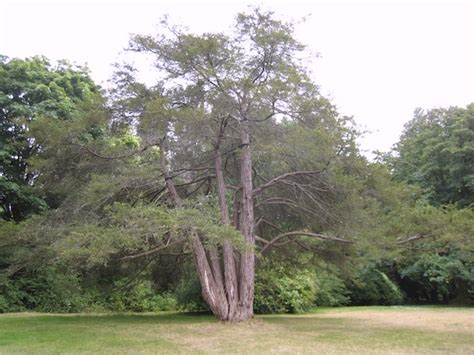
column 89, row 220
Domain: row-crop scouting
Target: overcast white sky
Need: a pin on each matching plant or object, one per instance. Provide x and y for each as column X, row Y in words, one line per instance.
column 379, row 59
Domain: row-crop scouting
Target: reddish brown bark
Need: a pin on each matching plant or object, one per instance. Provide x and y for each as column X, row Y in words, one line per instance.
column 226, row 277
column 207, row 264
column 247, row 261
column 230, row 272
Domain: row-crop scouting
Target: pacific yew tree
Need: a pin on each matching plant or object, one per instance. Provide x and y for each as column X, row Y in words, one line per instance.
column 229, row 111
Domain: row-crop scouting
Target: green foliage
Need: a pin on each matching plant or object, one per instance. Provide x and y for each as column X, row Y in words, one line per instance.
column 436, row 151
column 331, row 290
column 372, row 286
column 188, row 295
column 278, row 290
column 438, row 278
column 31, row 89
column 125, row 230
column 138, row 296
column 416, row 239
column 10, row 296
column 47, row 290
column 51, row 289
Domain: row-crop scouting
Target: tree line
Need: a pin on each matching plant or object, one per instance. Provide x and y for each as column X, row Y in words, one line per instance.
column 231, row 185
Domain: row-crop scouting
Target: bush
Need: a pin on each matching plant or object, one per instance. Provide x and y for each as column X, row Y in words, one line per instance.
column 47, row 289
column 438, row 278
column 331, row 291
column 162, row 302
column 138, row 296
column 277, row 290
column 372, row 287
column 51, row 290
column 188, row 295
column 10, row 296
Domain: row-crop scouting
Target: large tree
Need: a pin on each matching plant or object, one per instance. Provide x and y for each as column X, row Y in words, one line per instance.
column 217, row 116
column 436, row 152
column 31, row 89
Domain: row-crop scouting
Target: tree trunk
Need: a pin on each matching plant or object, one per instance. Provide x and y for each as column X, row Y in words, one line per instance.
column 209, row 277
column 230, row 271
column 228, row 293
column 247, row 261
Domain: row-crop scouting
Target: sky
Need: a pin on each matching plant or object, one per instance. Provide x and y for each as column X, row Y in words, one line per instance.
column 378, row 60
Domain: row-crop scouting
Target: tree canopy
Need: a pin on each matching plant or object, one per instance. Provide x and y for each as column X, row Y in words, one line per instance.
column 32, row 89
column 436, row 152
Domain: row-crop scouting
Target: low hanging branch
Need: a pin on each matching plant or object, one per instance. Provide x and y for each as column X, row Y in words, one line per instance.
column 153, row 250
column 122, row 156
column 278, row 238
column 412, row 239
column 283, row 177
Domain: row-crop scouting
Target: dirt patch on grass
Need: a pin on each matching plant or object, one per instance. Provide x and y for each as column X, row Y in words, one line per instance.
column 256, row 336
column 426, row 319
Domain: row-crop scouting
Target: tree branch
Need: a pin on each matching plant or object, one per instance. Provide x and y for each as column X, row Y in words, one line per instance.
column 412, row 238
column 303, row 234
column 151, row 251
column 98, row 155
column 284, row 176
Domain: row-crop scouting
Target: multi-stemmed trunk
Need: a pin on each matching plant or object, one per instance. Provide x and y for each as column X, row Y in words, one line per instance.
column 226, row 274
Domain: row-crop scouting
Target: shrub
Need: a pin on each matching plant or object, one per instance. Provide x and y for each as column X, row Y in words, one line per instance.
column 10, row 296
column 277, row 290
column 331, row 290
column 372, row 286
column 438, row 278
column 162, row 302
column 188, row 295
column 46, row 289
column 138, row 296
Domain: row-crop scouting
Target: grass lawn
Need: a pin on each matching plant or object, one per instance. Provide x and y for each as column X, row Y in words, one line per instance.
column 361, row 330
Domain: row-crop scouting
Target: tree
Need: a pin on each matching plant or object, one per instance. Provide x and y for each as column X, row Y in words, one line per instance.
column 426, row 250
column 219, row 91
column 436, row 152
column 31, row 89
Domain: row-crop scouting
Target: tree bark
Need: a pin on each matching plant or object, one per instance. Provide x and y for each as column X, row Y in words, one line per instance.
column 230, row 272
column 209, row 272
column 247, row 261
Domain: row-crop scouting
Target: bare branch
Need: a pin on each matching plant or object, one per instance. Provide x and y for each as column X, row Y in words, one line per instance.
column 98, row 155
column 287, row 202
column 195, row 181
column 303, row 234
column 151, row 251
column 284, row 176
column 263, row 220
column 412, row 238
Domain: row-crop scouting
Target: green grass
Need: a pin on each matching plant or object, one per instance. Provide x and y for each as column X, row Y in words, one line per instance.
column 361, row 330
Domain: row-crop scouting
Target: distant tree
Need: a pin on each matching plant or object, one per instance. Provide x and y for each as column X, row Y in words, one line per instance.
column 31, row 89
column 436, row 152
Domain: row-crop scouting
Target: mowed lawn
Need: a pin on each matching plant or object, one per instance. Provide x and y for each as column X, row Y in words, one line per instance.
column 358, row 330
